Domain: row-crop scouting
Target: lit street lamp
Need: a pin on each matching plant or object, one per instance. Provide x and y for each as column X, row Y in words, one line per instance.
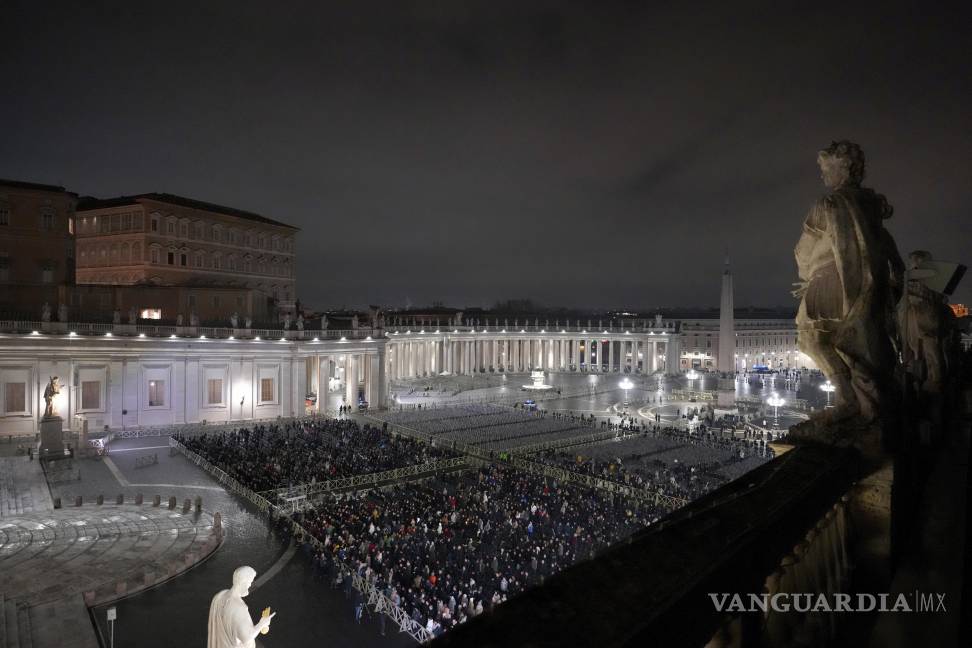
column 776, row 402
column 626, row 384
column 830, row 388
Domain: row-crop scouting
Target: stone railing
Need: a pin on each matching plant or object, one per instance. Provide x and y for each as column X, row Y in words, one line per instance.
column 594, row 330
column 143, row 329
column 381, row 603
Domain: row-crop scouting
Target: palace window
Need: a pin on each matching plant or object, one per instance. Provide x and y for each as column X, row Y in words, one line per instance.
column 90, row 395
column 154, row 255
column 4, row 268
column 4, row 216
column 183, row 259
column 214, row 391
column 47, row 220
column 266, row 390
column 15, row 398
column 156, row 393
column 171, row 258
column 47, row 272
column 155, row 224
column 151, row 313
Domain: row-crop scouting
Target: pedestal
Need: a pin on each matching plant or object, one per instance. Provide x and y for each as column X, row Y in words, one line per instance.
column 726, row 397
column 52, row 436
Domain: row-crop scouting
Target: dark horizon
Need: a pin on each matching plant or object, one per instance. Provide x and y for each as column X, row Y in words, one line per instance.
column 586, row 156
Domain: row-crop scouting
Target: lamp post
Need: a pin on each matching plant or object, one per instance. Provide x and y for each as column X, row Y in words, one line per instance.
column 592, row 379
column 829, row 388
column 776, row 402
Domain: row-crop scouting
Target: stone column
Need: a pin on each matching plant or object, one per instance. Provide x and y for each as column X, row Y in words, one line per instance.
column 610, row 356
column 350, row 381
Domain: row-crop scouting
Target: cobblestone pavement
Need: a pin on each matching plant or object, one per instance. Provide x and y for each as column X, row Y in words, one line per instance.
column 175, row 613
column 23, row 488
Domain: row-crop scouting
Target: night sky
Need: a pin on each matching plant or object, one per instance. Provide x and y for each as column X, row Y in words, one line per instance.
column 579, row 154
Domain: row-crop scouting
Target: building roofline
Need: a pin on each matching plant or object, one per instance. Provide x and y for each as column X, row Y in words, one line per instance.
column 89, row 203
column 21, row 184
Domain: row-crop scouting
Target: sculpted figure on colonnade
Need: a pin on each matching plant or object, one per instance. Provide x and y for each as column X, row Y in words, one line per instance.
column 851, row 278
column 230, row 625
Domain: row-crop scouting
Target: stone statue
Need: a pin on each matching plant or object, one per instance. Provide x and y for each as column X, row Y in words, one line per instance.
column 230, row 625
column 924, row 325
column 62, row 313
column 850, row 280
column 53, row 389
column 179, row 319
column 286, row 322
column 354, row 322
column 247, row 322
column 132, row 315
column 658, row 320
column 235, row 320
column 300, row 322
column 46, row 312
column 323, row 322
column 193, row 318
column 116, row 317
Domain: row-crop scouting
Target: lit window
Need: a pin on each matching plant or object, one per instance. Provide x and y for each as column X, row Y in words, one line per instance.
column 214, row 391
column 156, row 393
column 151, row 313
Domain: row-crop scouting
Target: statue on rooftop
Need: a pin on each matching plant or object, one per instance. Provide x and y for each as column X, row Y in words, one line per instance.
column 230, row 625
column 300, row 322
column 46, row 312
column 62, row 313
column 924, row 323
column 235, row 320
column 116, row 317
column 851, row 278
column 132, row 315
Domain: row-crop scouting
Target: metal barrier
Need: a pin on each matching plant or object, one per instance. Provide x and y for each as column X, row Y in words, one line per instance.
column 365, row 482
column 195, row 429
column 381, row 603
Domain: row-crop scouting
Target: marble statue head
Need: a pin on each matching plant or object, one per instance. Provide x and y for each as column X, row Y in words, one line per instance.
column 841, row 164
column 242, row 579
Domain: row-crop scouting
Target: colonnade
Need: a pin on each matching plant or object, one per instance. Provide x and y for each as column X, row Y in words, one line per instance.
column 416, row 355
column 361, row 376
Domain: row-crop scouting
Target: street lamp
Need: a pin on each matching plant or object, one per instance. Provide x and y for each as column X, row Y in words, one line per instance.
column 593, row 380
column 776, row 402
column 830, row 388
column 626, row 384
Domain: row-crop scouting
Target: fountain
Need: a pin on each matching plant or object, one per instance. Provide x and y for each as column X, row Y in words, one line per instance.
column 538, row 385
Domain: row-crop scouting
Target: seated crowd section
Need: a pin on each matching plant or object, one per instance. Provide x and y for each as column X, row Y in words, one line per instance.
column 447, row 548
column 306, row 452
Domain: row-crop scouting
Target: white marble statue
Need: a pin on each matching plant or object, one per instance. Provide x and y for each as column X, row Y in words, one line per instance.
column 46, row 312
column 230, row 625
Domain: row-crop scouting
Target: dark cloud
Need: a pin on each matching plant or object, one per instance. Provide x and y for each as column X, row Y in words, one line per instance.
column 599, row 154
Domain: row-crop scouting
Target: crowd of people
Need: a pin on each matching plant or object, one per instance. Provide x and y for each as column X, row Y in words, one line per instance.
column 275, row 456
column 449, row 549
